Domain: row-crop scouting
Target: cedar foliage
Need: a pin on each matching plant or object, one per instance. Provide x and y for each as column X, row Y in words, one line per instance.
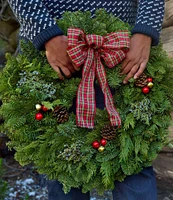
column 64, row 151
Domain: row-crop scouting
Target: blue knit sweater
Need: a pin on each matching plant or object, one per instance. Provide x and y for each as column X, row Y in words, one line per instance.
column 37, row 17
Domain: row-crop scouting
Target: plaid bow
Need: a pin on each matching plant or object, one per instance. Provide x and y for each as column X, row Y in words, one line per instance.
column 89, row 50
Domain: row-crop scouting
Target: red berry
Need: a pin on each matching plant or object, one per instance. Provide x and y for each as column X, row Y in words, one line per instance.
column 103, row 142
column 96, row 144
column 146, row 90
column 38, row 116
column 44, row 108
column 149, row 79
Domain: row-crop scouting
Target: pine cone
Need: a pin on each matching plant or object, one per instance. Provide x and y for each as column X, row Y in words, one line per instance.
column 61, row 114
column 108, row 132
column 141, row 81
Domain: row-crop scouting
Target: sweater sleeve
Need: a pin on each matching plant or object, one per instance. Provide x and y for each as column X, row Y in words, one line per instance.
column 149, row 19
column 36, row 21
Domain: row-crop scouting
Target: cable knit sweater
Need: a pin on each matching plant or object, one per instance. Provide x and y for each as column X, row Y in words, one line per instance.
column 37, row 17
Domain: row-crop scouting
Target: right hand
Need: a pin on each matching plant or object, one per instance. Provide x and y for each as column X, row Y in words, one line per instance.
column 56, row 53
column 136, row 59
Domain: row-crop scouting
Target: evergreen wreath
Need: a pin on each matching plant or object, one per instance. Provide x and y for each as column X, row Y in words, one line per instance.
column 42, row 130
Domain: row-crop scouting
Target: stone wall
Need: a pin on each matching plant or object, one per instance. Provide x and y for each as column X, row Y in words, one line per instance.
column 8, row 31
column 167, row 31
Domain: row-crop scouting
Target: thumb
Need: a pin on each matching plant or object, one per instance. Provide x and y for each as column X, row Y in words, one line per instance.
column 140, row 70
column 76, row 68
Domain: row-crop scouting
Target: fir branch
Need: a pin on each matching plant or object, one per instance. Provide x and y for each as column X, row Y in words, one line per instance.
column 126, row 147
column 106, row 172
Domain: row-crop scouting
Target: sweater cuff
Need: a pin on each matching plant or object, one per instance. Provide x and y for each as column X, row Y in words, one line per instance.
column 40, row 40
column 147, row 30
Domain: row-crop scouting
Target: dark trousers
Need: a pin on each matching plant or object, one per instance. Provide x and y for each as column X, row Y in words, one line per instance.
column 136, row 187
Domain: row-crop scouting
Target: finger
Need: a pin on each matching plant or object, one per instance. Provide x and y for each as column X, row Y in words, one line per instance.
column 56, row 68
column 65, row 70
column 129, row 62
column 76, row 68
column 73, row 64
column 66, row 63
column 124, row 63
column 128, row 67
column 140, row 70
column 70, row 67
column 131, row 73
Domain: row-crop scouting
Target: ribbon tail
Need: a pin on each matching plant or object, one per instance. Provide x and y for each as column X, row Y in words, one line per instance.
column 85, row 102
column 115, row 119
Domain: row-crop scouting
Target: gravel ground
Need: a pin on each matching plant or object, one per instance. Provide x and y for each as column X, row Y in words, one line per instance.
column 26, row 189
column 23, row 183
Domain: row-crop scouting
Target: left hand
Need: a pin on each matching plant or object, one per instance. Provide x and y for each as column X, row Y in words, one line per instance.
column 137, row 57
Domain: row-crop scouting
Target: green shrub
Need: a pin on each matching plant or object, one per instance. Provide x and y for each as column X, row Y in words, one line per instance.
column 3, row 184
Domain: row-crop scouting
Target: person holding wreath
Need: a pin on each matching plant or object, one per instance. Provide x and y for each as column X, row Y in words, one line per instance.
column 38, row 25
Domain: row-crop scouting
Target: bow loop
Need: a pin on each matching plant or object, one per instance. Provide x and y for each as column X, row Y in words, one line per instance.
column 116, row 41
column 112, row 58
column 115, row 46
column 76, row 46
column 88, row 50
column 75, row 37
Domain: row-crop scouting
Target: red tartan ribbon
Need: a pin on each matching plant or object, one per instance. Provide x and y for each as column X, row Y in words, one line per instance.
column 89, row 50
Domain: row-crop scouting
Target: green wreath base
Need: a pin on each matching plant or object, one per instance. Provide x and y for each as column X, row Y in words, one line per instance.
column 64, row 151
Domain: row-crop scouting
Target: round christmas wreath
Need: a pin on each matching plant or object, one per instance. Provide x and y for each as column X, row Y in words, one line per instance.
column 36, row 110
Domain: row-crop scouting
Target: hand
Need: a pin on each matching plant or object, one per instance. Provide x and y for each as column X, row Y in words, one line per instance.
column 56, row 53
column 137, row 57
